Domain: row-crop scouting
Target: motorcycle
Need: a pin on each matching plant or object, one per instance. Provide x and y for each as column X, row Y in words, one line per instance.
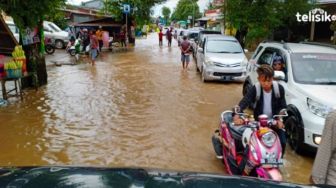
column 251, row 149
column 49, row 45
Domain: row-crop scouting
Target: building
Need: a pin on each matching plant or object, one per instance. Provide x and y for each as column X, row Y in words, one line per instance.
column 213, row 19
column 94, row 4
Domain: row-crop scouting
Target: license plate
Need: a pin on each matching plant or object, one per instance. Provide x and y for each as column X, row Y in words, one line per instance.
column 271, row 161
column 226, row 77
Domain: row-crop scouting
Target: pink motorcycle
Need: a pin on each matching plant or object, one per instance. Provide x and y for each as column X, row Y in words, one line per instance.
column 251, row 149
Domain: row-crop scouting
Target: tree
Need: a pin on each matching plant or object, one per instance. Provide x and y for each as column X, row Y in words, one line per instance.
column 142, row 14
column 186, row 8
column 30, row 14
column 256, row 20
column 166, row 13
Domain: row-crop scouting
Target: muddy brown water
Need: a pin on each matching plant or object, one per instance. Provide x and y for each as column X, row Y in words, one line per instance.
column 135, row 108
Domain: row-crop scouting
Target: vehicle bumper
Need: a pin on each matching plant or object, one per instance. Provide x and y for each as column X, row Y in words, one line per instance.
column 313, row 127
column 224, row 74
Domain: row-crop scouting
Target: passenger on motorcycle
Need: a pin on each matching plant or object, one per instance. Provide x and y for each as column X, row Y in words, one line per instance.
column 269, row 100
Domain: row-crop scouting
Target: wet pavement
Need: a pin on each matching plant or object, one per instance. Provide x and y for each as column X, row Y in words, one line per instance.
column 135, row 108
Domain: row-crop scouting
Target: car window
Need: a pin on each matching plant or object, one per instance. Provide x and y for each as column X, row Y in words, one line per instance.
column 54, row 27
column 223, row 46
column 314, row 68
column 266, row 57
column 193, row 35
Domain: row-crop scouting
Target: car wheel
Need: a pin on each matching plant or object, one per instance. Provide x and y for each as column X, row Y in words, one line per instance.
column 246, row 87
column 295, row 135
column 72, row 52
column 59, row 44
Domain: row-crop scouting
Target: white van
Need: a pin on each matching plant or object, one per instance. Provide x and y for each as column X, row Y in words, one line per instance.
column 52, row 31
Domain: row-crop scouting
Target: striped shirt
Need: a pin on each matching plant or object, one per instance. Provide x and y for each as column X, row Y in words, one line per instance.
column 324, row 168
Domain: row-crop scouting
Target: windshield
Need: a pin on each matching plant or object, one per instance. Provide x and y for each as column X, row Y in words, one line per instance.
column 54, row 27
column 314, row 68
column 223, row 46
column 193, row 35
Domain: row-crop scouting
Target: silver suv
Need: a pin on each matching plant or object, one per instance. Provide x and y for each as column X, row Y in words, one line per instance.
column 309, row 80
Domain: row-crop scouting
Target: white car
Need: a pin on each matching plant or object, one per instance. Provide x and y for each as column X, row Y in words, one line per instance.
column 52, row 31
column 14, row 29
column 309, row 80
column 221, row 57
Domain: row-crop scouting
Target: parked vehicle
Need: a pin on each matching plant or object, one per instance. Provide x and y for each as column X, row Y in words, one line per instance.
column 60, row 37
column 14, row 29
column 251, row 149
column 74, row 47
column 221, row 57
column 49, row 45
column 200, row 38
column 310, row 84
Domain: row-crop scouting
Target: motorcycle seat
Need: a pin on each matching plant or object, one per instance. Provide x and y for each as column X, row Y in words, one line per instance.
column 237, row 131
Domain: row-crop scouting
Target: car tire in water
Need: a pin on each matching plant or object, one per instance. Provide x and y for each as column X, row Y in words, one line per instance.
column 59, row 44
column 49, row 49
column 202, row 76
column 294, row 134
column 246, row 87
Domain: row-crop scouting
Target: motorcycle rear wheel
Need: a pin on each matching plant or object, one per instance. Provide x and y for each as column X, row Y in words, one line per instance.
column 49, row 49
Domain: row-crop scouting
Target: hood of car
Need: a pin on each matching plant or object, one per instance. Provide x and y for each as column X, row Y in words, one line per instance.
column 226, row 58
column 54, row 176
column 324, row 94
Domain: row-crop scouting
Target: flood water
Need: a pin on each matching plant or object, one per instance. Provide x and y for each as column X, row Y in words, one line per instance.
column 133, row 109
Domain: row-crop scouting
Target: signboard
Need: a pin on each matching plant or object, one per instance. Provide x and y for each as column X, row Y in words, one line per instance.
column 30, row 36
column 126, row 8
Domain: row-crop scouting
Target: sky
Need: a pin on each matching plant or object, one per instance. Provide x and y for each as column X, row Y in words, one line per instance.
column 157, row 9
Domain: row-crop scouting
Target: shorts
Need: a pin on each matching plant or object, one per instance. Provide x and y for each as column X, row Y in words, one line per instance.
column 94, row 53
column 185, row 58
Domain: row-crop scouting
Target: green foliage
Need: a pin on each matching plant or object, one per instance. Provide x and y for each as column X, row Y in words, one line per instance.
column 142, row 15
column 259, row 18
column 166, row 13
column 29, row 13
column 58, row 17
column 186, row 8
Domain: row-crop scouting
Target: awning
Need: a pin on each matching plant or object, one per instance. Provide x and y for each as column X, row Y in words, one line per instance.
column 104, row 22
column 203, row 19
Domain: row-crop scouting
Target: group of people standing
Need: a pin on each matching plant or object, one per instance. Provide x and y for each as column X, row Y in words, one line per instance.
column 92, row 39
column 185, row 46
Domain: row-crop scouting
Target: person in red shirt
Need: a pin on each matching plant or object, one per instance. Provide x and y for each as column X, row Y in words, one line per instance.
column 185, row 52
column 94, row 44
column 160, row 37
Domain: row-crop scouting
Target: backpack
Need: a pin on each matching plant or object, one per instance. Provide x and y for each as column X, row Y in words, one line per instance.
column 258, row 91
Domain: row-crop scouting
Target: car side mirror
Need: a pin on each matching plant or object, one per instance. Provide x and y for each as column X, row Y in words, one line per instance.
column 246, row 50
column 279, row 75
column 200, row 50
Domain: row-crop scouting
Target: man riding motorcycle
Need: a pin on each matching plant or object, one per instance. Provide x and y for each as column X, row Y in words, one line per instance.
column 267, row 97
